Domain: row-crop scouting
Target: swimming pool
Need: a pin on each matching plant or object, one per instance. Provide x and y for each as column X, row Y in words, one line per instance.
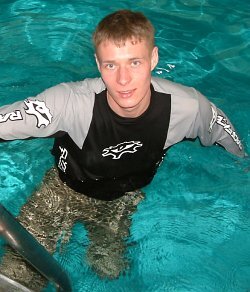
column 191, row 233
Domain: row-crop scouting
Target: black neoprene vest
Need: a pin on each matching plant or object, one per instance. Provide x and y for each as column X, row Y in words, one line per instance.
column 119, row 154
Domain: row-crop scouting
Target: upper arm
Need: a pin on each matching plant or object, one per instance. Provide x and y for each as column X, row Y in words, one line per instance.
column 193, row 115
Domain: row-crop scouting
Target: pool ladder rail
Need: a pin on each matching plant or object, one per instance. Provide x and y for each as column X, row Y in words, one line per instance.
column 32, row 251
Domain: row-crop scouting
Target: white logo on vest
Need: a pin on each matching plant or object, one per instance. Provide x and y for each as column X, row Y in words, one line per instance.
column 117, row 151
column 62, row 164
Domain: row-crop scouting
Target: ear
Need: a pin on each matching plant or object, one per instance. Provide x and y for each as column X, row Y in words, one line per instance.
column 154, row 58
column 97, row 62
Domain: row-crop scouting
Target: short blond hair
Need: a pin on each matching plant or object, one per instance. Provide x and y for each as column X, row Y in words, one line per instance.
column 124, row 25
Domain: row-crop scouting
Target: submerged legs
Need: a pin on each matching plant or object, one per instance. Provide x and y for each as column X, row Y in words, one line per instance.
column 107, row 234
column 51, row 212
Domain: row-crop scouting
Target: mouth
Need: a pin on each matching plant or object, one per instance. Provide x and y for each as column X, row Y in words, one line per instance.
column 126, row 93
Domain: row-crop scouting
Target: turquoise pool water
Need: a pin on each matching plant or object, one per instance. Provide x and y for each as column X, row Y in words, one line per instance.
column 192, row 231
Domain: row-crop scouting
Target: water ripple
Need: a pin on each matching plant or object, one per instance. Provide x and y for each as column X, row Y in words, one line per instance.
column 191, row 232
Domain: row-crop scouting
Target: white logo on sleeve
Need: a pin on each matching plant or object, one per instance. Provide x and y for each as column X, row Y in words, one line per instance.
column 122, row 148
column 12, row 116
column 40, row 111
column 222, row 121
column 214, row 118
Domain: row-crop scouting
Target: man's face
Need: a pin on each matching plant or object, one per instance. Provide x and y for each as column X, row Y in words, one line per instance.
column 126, row 72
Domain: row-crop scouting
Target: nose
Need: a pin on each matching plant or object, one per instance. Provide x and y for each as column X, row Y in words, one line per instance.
column 123, row 76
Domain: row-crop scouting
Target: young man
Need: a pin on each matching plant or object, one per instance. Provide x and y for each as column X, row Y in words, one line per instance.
column 111, row 133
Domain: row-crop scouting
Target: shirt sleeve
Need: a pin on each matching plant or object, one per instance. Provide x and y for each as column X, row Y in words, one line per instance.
column 39, row 116
column 213, row 126
column 193, row 115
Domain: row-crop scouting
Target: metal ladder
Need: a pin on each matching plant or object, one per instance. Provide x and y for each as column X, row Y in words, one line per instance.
column 32, row 251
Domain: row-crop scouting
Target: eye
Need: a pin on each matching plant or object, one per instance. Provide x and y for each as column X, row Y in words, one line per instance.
column 135, row 63
column 110, row 66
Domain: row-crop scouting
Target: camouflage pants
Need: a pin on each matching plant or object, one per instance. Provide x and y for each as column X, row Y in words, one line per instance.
column 52, row 211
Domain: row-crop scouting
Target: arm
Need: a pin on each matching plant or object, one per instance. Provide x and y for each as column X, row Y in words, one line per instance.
column 193, row 115
column 39, row 116
column 213, row 126
column 66, row 107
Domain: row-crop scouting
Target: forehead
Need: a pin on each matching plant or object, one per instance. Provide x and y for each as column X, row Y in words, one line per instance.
column 122, row 49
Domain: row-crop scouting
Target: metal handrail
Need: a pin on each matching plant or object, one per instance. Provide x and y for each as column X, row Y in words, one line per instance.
column 32, row 251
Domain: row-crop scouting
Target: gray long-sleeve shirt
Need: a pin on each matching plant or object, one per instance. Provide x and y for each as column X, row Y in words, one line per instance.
column 103, row 155
column 68, row 107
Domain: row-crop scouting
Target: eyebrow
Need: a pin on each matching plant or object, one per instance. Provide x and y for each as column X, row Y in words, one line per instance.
column 130, row 59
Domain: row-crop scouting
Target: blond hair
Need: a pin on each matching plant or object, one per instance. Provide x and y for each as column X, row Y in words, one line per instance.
column 124, row 25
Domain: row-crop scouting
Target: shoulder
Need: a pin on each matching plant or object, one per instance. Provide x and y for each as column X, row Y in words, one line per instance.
column 177, row 90
column 78, row 101
column 85, row 87
column 183, row 98
column 75, row 93
column 185, row 108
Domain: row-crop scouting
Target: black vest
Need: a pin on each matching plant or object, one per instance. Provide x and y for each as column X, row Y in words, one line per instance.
column 119, row 154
